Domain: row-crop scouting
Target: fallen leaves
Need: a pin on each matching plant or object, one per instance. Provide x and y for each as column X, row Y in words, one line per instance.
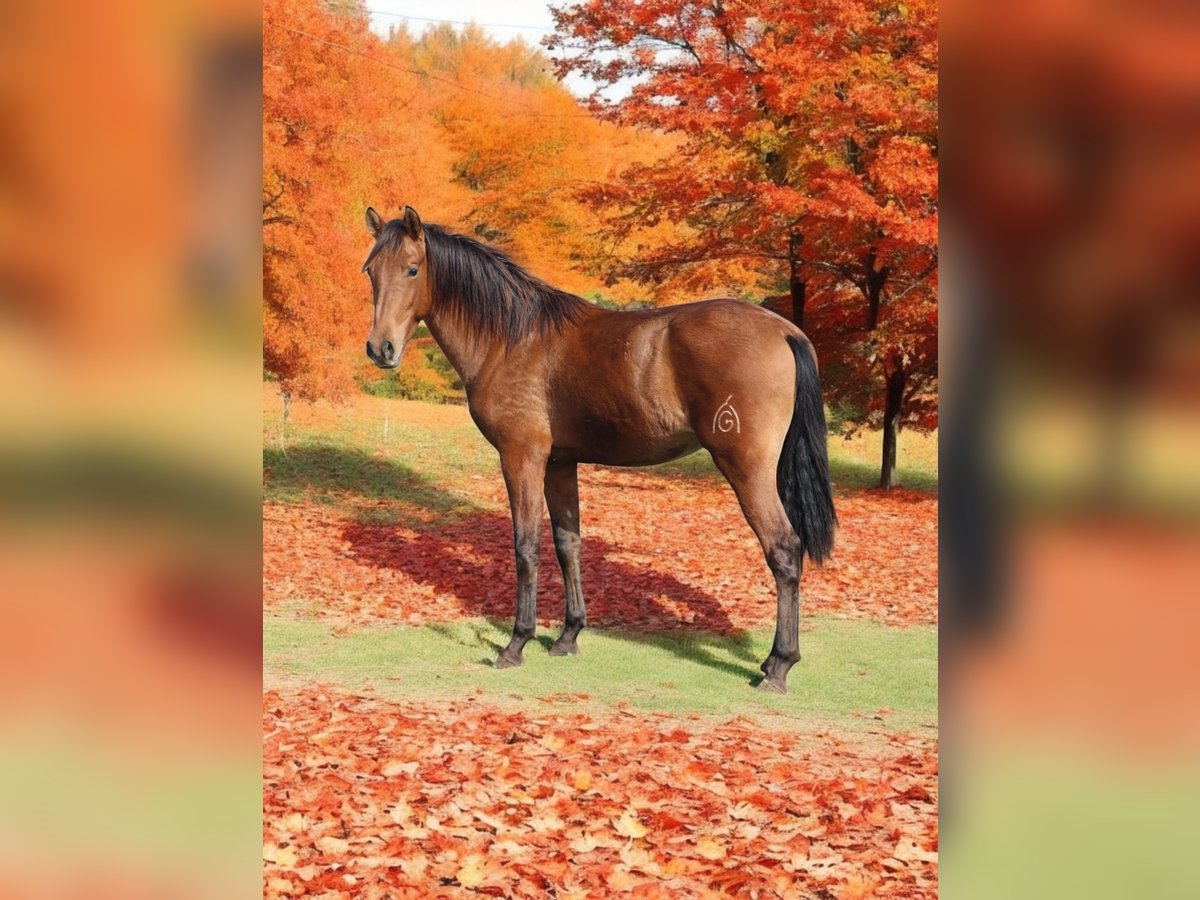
column 659, row 553
column 375, row 799
column 629, row 826
column 355, row 802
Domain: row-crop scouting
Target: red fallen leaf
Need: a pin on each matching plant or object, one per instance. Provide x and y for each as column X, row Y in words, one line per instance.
column 908, row 850
column 858, row 887
column 370, row 573
column 664, row 820
column 650, row 831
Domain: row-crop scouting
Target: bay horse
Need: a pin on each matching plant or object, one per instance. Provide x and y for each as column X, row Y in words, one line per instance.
column 553, row 381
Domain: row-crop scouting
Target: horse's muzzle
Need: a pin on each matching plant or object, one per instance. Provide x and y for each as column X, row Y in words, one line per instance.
column 386, row 357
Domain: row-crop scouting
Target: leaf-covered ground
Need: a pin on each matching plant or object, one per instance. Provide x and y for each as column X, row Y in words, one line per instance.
column 659, row 553
column 501, row 791
column 367, row 798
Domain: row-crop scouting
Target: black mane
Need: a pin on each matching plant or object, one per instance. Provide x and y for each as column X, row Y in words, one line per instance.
column 483, row 289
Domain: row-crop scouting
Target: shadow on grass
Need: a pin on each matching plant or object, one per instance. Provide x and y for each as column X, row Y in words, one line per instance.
column 345, row 476
column 700, row 648
column 471, row 559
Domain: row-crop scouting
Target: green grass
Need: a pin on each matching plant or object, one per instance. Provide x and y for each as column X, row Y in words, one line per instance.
column 850, row 669
column 848, row 469
column 431, row 454
column 423, row 469
column 375, row 488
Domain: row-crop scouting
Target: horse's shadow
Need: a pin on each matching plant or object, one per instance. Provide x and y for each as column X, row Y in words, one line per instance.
column 471, row 559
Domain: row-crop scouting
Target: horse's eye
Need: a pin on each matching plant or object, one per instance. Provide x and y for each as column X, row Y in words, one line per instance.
column 412, row 271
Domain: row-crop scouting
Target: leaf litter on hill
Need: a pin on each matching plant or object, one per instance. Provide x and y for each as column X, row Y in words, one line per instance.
column 368, row 798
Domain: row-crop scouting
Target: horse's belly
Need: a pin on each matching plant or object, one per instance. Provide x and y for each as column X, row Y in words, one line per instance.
column 612, row 448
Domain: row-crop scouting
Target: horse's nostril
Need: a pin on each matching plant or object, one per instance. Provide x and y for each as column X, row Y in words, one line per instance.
column 370, row 352
column 389, row 352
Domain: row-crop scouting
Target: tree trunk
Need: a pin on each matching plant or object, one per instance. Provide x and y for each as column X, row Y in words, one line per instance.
column 874, row 282
column 797, row 287
column 891, row 428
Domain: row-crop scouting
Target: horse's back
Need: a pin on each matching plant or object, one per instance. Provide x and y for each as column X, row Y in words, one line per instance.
column 642, row 387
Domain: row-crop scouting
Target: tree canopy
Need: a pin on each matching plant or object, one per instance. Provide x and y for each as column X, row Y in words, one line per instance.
column 754, row 148
column 807, row 161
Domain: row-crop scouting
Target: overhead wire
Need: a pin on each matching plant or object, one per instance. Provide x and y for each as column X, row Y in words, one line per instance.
column 395, row 15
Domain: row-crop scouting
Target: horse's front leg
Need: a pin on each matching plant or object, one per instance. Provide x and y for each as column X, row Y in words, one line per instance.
column 524, row 471
column 562, row 499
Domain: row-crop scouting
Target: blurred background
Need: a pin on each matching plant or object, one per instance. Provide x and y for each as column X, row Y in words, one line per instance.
column 1070, row 325
column 130, row 336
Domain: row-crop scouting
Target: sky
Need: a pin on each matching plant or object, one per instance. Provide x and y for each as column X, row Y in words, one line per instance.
column 503, row 19
column 499, row 17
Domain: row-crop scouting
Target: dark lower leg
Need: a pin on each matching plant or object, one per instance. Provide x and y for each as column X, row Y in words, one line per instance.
column 566, row 546
column 523, row 478
column 525, row 625
column 752, row 476
column 784, row 560
column 562, row 499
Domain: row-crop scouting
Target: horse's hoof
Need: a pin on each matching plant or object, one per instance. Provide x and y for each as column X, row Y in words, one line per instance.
column 508, row 662
column 557, row 649
column 771, row 686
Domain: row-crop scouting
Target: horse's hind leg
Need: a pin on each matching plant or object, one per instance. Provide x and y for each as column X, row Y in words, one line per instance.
column 758, row 495
column 562, row 499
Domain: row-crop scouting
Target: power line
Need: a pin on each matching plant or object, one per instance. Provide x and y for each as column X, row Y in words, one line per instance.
column 379, row 12
column 446, row 81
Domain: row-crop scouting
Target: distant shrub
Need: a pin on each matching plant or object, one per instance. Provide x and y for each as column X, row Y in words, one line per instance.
column 404, row 386
column 610, row 303
column 438, row 362
column 425, row 375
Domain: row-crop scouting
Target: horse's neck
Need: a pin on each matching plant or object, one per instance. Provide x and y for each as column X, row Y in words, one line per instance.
column 466, row 352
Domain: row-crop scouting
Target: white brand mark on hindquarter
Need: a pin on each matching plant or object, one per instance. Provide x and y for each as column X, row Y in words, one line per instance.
column 726, row 418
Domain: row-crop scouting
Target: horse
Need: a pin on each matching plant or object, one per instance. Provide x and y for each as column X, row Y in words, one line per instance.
column 553, row 381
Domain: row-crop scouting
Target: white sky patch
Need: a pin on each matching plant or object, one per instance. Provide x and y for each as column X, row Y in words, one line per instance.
column 503, row 20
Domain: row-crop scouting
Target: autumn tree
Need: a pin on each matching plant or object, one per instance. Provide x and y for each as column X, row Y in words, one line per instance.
column 807, row 155
column 477, row 135
column 340, row 123
column 521, row 147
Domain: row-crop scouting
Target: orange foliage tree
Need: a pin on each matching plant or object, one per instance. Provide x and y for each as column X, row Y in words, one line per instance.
column 339, row 121
column 479, row 136
column 807, row 158
column 521, row 148
column 311, row 166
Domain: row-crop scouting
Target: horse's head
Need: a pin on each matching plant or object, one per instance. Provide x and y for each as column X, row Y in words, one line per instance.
column 399, row 284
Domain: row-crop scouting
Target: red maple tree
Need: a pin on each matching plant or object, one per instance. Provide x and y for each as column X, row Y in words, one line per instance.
column 807, row 158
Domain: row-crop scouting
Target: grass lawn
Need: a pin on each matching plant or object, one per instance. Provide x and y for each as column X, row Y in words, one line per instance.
column 410, row 460
column 850, row 671
column 327, row 451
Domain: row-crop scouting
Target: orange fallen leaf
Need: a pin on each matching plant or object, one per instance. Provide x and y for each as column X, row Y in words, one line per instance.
column 629, row 826
column 710, row 848
column 473, row 872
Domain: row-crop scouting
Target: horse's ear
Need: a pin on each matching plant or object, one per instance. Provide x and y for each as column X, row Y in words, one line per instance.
column 412, row 222
column 374, row 222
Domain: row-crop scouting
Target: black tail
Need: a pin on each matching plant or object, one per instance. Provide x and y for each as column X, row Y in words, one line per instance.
column 803, row 473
